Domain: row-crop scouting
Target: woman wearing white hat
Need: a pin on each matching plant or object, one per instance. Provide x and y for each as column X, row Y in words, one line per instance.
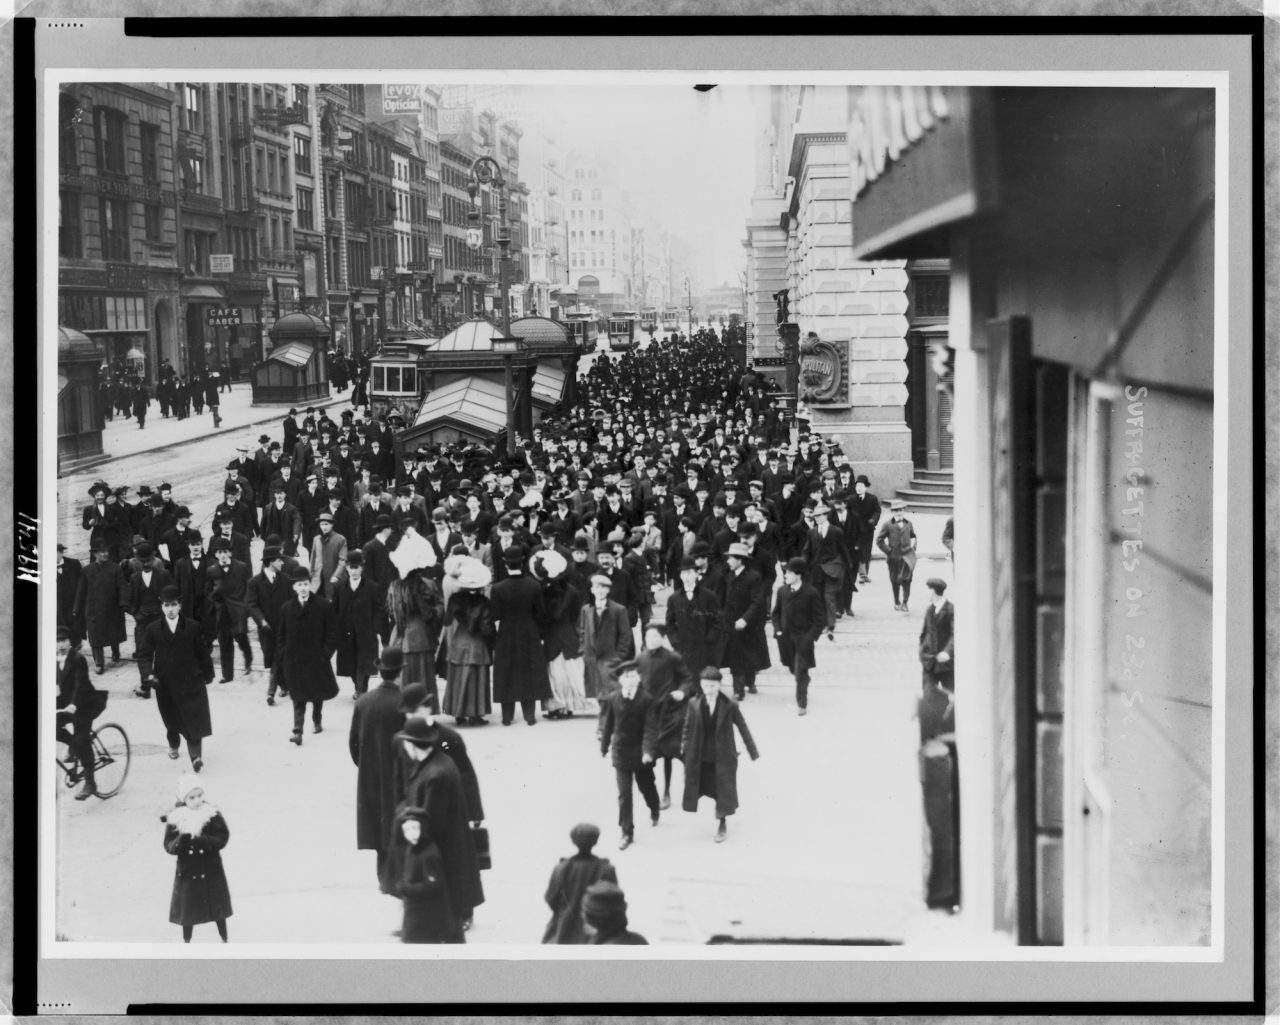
column 195, row 832
column 468, row 644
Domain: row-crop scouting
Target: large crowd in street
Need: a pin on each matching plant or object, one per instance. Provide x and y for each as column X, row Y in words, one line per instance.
column 456, row 587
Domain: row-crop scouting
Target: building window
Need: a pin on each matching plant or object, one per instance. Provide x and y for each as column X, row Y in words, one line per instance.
column 196, row 247
column 301, row 155
column 260, row 168
column 306, row 209
column 595, row 193
column 193, row 173
column 114, row 220
column 69, row 224
column 302, row 101
column 155, row 222
column 111, row 126
column 193, row 119
column 69, row 115
column 150, row 152
column 272, row 178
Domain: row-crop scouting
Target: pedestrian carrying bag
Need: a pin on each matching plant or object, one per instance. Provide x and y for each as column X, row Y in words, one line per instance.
column 480, row 839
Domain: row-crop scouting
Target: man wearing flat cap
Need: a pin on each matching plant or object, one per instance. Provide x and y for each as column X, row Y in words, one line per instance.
column 174, row 659
column 897, row 539
column 937, row 640
column 604, row 916
column 628, row 725
column 328, row 556
column 143, row 601
column 710, row 754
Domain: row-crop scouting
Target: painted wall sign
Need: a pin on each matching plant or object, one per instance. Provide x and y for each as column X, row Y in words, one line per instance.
column 821, row 371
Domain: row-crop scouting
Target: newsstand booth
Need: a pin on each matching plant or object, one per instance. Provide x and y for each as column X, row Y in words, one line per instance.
column 1079, row 226
column 79, row 411
column 295, row 370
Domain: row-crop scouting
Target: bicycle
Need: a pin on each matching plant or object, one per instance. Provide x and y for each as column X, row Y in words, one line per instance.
column 111, row 759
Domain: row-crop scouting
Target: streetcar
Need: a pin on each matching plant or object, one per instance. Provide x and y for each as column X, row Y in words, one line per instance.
column 397, row 378
column 672, row 318
column 583, row 329
column 622, row 331
column 649, row 319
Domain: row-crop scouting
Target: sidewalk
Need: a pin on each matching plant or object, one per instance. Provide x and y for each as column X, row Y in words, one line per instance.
column 122, row 438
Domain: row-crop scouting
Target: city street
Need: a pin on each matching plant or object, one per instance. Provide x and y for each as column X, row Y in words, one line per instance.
column 834, row 798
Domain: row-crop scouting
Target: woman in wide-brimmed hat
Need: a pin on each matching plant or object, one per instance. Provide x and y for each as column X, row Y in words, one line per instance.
column 468, row 644
column 560, row 641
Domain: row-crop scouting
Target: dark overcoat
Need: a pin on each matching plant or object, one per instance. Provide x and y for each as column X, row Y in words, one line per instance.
column 603, row 647
column 266, row 599
column 200, row 892
column 630, row 727
column 519, row 663
column 228, row 591
column 436, row 786
column 358, row 612
column 69, row 574
column 662, row 673
column 695, row 628
column 564, row 605
column 305, row 642
column 799, row 617
column 746, row 650
column 728, row 714
column 193, row 586
column 936, row 636
column 180, row 661
column 565, row 890
column 100, row 601
column 375, row 720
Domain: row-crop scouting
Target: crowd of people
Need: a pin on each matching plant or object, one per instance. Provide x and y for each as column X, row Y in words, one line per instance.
column 484, row 580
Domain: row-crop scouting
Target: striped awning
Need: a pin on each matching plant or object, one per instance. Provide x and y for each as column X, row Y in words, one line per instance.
column 293, row 354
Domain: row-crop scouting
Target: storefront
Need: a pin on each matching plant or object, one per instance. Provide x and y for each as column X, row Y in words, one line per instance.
column 1080, row 315
column 112, row 306
column 208, row 330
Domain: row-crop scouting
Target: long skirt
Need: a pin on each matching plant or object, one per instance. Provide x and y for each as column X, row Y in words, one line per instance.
column 420, row 667
column 467, row 693
column 567, row 687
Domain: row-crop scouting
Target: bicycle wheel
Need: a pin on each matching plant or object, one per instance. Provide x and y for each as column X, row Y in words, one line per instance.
column 111, row 758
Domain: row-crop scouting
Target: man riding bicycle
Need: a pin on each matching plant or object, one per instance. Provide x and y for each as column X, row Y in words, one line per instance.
column 79, row 703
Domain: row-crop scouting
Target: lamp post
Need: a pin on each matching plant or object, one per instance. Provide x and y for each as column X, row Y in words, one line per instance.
column 689, row 295
column 487, row 171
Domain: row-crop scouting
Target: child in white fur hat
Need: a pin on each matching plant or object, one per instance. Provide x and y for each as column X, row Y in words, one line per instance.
column 195, row 832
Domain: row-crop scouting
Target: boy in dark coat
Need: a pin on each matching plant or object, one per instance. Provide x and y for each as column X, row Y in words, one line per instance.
column 629, row 724
column 142, row 602
column 708, row 749
column 174, row 659
column 798, row 618
column 308, row 637
column 668, row 681
column 568, row 885
column 937, row 640
column 604, row 913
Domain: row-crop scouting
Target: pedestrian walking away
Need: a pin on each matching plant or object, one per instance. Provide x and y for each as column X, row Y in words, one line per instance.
column 196, row 833
column 519, row 662
column 604, row 916
column 174, row 660
column 375, row 720
column 709, row 751
column 798, row 617
column 568, row 885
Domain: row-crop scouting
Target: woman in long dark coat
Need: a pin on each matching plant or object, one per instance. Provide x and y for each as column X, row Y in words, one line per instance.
column 414, row 606
column 708, row 749
column 468, row 642
column 519, row 663
column 195, row 832
column 306, row 641
column 694, row 624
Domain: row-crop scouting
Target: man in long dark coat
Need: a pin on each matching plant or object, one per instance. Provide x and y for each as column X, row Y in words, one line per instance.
column 693, row 620
column 709, row 752
column 191, row 575
column 358, row 611
column 375, row 720
column 864, row 505
column 937, row 639
column 668, row 682
column 519, row 663
column 69, row 573
column 798, row 617
column 269, row 591
column 174, row 659
column 279, row 517
column 897, row 539
column 142, row 602
column 435, row 786
column 746, row 609
column 828, row 559
column 308, row 637
column 100, row 600
column 227, row 584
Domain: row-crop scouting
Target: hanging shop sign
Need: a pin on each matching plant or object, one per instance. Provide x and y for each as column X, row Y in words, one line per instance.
column 821, row 372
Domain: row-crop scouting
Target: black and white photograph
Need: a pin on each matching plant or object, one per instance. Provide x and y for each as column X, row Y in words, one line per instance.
column 504, row 511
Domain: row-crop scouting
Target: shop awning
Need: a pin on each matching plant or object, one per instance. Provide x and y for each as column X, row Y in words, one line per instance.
column 478, row 402
column 548, row 383
column 201, row 292
column 293, row 354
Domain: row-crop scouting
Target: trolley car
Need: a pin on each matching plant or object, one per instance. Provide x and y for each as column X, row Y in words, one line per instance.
column 622, row 331
column 397, row 382
column 672, row 319
column 649, row 319
column 583, row 329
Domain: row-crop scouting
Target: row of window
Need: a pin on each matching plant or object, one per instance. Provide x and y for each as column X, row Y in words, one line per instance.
column 113, row 226
column 576, row 196
column 593, row 260
column 582, row 234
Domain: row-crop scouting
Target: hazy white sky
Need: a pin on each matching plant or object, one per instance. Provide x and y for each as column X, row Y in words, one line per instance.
column 693, row 151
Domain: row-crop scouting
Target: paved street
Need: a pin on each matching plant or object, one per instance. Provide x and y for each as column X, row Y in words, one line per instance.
column 834, row 798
